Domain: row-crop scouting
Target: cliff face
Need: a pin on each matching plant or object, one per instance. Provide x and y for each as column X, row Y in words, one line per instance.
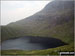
column 55, row 20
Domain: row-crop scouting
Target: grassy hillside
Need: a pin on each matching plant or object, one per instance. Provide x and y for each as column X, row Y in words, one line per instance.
column 59, row 28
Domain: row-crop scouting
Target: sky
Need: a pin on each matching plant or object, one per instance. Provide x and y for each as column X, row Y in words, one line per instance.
column 12, row 11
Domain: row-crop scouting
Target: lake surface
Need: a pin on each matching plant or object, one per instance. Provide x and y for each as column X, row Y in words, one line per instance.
column 31, row 43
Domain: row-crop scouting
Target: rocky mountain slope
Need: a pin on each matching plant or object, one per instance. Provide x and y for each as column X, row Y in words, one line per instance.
column 55, row 20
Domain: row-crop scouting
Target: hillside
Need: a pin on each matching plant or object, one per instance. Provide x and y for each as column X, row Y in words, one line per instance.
column 55, row 20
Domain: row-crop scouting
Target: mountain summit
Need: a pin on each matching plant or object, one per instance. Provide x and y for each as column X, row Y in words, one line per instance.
column 55, row 20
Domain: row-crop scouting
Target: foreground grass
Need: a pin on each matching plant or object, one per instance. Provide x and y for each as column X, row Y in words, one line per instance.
column 52, row 51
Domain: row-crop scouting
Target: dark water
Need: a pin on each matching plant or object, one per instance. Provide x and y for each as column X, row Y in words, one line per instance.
column 31, row 43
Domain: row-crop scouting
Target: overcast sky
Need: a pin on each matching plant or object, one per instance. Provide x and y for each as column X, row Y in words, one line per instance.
column 12, row 11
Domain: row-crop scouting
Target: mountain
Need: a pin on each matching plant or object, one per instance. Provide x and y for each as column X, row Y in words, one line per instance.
column 55, row 20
